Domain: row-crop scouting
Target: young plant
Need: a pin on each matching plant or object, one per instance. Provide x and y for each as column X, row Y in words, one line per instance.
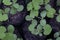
column 13, row 7
column 43, row 27
column 8, row 35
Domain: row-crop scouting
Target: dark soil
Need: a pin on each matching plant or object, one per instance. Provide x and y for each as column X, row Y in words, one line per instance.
column 21, row 25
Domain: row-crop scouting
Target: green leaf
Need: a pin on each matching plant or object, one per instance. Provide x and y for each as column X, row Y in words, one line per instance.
column 33, row 13
column 47, row 7
column 43, row 22
column 11, row 28
column 50, row 15
column 9, row 36
column 47, row 1
column 19, row 39
column 39, row 28
column 4, row 17
column 0, row 11
column 13, row 11
column 58, row 38
column 2, row 29
column 14, row 1
column 58, row 18
column 34, row 22
column 28, row 18
column 29, row 6
column 51, row 12
column 20, row 8
column 59, row 11
column 1, row 18
column 36, row 7
column 16, row 5
column 49, row 39
column 35, row 32
column 7, row 2
column 47, row 29
column 7, row 10
column 15, row 36
column 56, row 35
column 32, row 25
column 43, row 14
column 0, row 1
column 2, row 35
column 38, row 2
